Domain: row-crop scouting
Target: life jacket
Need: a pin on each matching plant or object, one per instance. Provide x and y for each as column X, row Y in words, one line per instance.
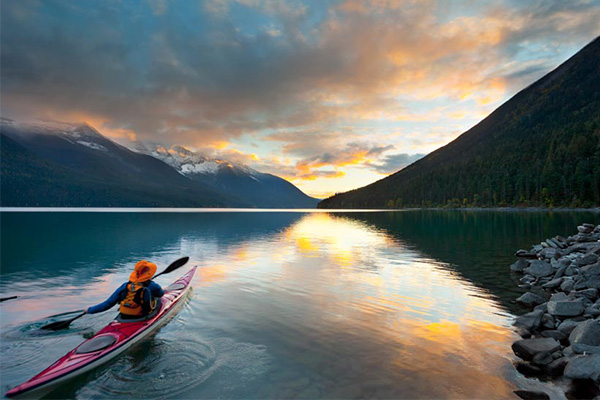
column 134, row 304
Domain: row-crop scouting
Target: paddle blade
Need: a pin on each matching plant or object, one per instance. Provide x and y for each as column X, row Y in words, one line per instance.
column 55, row 326
column 174, row 265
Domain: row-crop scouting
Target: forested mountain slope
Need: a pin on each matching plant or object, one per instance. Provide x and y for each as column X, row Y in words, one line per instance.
column 540, row 148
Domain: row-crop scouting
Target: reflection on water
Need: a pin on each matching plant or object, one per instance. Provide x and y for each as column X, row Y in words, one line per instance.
column 286, row 305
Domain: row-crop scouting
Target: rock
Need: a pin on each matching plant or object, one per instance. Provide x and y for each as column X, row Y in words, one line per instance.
column 568, row 352
column 528, row 369
column 591, row 312
column 588, row 259
column 565, row 308
column 527, row 279
column 548, row 321
column 526, row 254
column 588, row 225
column 537, row 248
column 549, row 253
column 519, row 265
column 587, row 293
column 585, row 349
column 524, row 333
column 593, row 250
column 531, row 395
column 542, row 358
column 559, row 297
column 551, row 243
column 530, row 321
column 587, row 332
column 590, row 271
column 584, row 229
column 567, row 326
column 584, row 367
column 570, row 271
column 528, row 348
column 554, row 283
column 567, row 286
column 530, row 300
column 556, row 367
column 554, row 334
column 592, row 283
column 539, row 269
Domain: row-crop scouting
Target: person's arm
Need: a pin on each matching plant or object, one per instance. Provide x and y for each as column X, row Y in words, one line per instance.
column 156, row 290
column 108, row 303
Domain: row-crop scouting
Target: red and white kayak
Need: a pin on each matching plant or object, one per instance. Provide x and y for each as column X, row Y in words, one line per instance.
column 108, row 343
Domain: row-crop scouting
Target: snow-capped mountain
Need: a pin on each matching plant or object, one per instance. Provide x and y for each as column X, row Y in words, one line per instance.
column 56, row 164
column 235, row 179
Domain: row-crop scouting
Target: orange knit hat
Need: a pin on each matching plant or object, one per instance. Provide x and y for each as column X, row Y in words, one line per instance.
column 144, row 271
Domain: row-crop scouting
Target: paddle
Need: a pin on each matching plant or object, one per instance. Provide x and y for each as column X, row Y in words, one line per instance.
column 64, row 324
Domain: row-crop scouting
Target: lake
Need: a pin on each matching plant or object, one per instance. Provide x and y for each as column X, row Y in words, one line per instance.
column 404, row 304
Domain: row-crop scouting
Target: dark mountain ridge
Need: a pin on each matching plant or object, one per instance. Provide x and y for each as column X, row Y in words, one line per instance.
column 540, row 148
column 63, row 165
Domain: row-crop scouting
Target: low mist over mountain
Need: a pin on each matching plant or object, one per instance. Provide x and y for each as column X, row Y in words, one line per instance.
column 54, row 164
column 540, row 148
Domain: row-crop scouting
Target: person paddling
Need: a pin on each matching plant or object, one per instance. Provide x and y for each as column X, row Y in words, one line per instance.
column 138, row 297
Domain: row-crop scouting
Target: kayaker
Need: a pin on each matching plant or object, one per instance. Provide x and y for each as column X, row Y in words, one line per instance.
column 138, row 297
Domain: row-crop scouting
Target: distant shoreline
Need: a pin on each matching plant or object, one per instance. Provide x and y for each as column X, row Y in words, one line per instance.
column 287, row 210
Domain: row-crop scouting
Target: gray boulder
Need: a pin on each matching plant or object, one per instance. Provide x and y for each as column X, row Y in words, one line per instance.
column 591, row 294
column 584, row 367
column 554, row 334
column 519, row 265
column 528, row 348
column 588, row 259
column 585, row 349
column 556, row 367
column 567, row 326
column 565, row 308
column 587, row 332
column 542, row 358
column 539, row 269
column 530, row 321
column 551, row 243
column 591, row 283
column 590, row 271
column 554, row 283
column 531, row 395
column 549, row 253
column 530, row 300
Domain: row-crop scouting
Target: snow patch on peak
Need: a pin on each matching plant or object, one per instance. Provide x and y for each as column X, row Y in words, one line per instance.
column 91, row 145
column 207, row 167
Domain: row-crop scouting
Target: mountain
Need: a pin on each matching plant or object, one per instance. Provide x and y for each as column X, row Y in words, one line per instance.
column 540, row 148
column 64, row 165
column 236, row 180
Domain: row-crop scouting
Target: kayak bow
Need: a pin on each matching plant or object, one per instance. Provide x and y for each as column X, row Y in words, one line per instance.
column 108, row 343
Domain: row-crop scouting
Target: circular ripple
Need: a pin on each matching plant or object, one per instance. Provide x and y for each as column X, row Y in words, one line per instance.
column 154, row 369
column 17, row 353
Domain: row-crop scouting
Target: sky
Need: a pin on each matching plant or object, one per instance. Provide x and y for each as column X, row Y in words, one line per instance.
column 331, row 95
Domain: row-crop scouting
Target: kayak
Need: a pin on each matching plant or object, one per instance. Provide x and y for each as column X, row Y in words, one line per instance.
column 107, row 344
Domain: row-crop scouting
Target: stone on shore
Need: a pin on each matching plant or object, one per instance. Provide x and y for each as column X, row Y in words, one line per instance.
column 530, row 321
column 528, row 348
column 567, row 326
column 553, row 284
column 539, row 269
column 565, row 308
column 584, row 367
column 530, row 300
column 585, row 349
column 519, row 265
column 587, row 332
column 531, row 395
column 554, row 334
column 588, row 259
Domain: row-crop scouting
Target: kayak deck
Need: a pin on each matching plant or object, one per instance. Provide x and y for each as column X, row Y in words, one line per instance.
column 110, row 341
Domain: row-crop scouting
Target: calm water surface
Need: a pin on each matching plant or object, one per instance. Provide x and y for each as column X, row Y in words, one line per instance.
column 415, row 304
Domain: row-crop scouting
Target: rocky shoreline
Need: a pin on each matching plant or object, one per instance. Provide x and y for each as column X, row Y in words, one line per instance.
column 561, row 333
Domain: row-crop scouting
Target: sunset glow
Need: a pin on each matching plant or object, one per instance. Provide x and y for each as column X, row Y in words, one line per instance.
column 329, row 95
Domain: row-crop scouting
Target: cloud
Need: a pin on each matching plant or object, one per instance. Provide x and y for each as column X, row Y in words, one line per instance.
column 324, row 80
column 394, row 162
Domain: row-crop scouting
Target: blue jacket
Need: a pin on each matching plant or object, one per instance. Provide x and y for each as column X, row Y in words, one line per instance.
column 120, row 294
